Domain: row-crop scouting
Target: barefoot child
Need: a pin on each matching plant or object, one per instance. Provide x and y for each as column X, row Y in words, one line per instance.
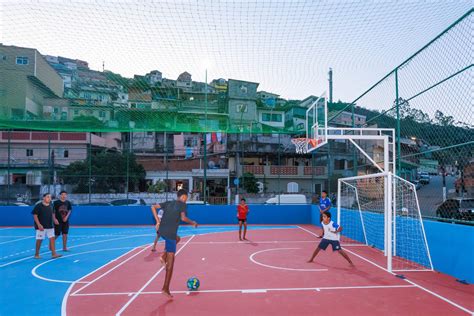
column 173, row 213
column 242, row 211
column 331, row 236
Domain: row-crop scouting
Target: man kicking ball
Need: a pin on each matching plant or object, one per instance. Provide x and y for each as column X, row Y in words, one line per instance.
column 330, row 237
column 173, row 213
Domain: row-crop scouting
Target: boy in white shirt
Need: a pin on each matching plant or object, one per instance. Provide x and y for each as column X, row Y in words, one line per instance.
column 331, row 236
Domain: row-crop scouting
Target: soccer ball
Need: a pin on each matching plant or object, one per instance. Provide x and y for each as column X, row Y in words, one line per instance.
column 193, row 284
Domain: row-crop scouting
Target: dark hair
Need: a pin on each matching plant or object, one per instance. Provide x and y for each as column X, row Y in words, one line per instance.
column 44, row 195
column 242, row 199
column 62, row 192
column 324, row 191
column 182, row 192
column 327, row 213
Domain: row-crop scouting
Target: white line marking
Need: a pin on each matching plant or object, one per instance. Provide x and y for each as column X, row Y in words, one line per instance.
column 244, row 291
column 149, row 281
column 76, row 246
column 406, row 280
column 36, row 275
column 6, row 242
column 251, row 257
column 76, row 261
column 66, row 295
column 253, row 291
column 112, row 269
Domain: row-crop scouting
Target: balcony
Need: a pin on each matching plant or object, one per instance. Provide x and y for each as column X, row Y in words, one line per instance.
column 287, row 171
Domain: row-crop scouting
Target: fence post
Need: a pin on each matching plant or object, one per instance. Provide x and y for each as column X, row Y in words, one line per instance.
column 90, row 165
column 397, row 104
column 8, row 166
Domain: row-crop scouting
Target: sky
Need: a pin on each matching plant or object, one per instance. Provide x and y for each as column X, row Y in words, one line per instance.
column 286, row 46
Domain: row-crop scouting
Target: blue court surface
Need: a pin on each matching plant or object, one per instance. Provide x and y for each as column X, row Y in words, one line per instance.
column 37, row 286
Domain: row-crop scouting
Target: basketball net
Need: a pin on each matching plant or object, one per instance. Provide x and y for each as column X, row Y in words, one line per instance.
column 301, row 144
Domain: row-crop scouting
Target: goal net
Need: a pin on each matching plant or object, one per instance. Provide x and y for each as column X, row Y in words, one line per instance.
column 382, row 212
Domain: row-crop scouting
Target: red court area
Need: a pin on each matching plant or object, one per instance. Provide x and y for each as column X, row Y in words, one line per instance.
column 266, row 276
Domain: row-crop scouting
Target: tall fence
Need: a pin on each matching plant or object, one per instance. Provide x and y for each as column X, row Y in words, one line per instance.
column 428, row 100
column 244, row 148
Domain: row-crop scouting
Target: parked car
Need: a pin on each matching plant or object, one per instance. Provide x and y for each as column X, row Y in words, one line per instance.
column 287, row 199
column 12, row 203
column 457, row 208
column 417, row 184
column 424, row 178
column 128, row 202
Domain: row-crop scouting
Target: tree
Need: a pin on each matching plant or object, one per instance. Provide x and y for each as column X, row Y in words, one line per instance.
column 443, row 120
column 108, row 173
column 249, row 182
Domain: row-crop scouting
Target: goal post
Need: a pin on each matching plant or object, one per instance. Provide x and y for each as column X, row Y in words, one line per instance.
column 382, row 211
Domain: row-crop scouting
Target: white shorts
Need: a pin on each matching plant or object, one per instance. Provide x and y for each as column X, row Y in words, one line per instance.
column 49, row 232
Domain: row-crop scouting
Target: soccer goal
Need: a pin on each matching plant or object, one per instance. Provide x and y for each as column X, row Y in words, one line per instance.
column 381, row 211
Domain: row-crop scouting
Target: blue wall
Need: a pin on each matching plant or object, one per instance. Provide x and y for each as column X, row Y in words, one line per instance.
column 451, row 245
column 141, row 215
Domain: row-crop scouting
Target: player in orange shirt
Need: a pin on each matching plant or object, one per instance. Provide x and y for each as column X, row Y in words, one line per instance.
column 242, row 211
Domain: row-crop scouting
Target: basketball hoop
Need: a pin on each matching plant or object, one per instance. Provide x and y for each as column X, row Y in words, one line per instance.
column 301, row 144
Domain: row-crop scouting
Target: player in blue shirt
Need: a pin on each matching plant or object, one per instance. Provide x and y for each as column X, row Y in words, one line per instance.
column 324, row 204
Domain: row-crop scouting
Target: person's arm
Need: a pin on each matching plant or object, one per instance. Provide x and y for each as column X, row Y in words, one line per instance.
column 69, row 210
column 55, row 220
column 40, row 227
column 185, row 219
column 155, row 214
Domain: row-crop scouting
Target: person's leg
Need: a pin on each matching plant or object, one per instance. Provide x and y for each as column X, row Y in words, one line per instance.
column 65, row 232
column 52, row 244
column 65, row 242
column 322, row 245
column 38, row 246
column 240, row 230
column 155, row 242
column 169, row 274
column 170, row 250
column 315, row 253
column 344, row 254
column 245, row 230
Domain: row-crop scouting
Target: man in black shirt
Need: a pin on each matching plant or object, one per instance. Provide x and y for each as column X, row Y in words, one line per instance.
column 44, row 217
column 173, row 213
column 62, row 211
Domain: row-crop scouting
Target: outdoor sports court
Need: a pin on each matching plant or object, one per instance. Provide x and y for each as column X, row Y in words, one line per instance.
column 111, row 271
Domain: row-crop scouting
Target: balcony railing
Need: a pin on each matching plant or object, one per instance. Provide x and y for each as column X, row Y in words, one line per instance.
column 297, row 171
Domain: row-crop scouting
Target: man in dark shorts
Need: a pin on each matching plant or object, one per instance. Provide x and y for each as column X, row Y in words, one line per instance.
column 62, row 211
column 43, row 216
column 242, row 211
column 173, row 213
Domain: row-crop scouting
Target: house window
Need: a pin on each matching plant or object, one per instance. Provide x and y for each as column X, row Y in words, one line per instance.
column 29, row 153
column 102, row 114
column 300, row 126
column 269, row 117
column 76, row 112
column 63, row 116
column 149, row 133
column 339, row 164
column 292, row 187
column 241, row 108
column 66, row 153
column 56, row 110
column 20, row 60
